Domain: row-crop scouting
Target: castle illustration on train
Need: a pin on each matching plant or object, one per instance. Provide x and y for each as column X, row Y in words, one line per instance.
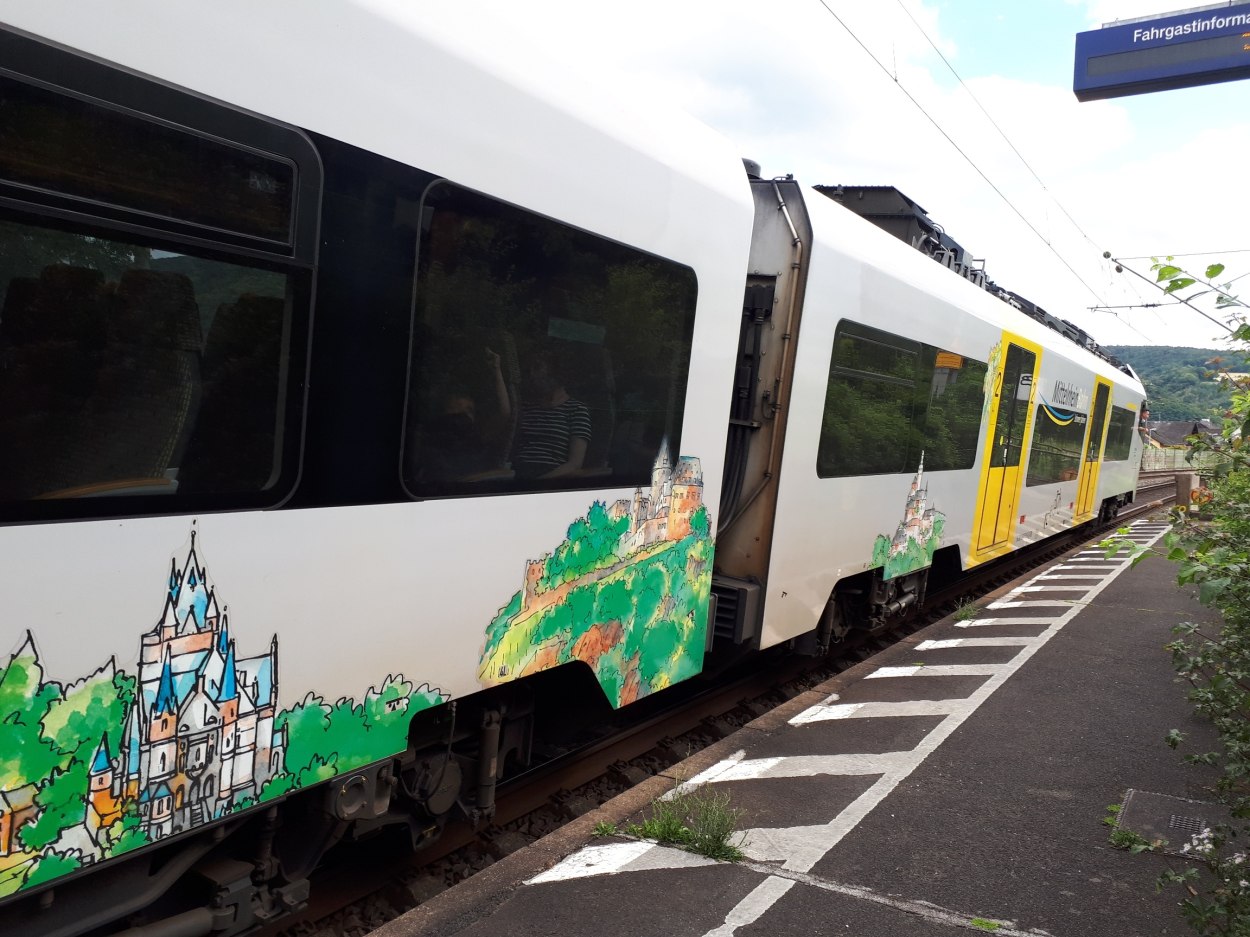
column 625, row 593
column 201, row 730
column 918, row 533
column 918, row 518
column 198, row 735
column 664, row 512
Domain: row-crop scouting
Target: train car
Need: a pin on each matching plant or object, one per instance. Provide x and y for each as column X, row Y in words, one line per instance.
column 907, row 420
column 342, row 377
column 367, row 403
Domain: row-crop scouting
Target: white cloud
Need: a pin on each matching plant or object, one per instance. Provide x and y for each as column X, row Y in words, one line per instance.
column 792, row 88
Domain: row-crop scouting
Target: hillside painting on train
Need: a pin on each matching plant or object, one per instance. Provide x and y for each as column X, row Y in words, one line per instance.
column 626, row 593
column 917, row 536
column 98, row 766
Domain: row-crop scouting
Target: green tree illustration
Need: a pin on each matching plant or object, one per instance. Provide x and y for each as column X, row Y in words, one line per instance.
column 51, row 865
column 60, row 799
column 90, row 709
column 128, row 834
column 26, row 756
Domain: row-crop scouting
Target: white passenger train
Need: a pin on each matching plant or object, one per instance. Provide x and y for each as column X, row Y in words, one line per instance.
column 365, row 402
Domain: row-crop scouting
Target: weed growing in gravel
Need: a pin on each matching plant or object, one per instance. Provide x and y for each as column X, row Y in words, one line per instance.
column 984, row 924
column 1127, row 839
column 603, row 829
column 1113, row 815
column 1122, row 838
column 697, row 819
column 667, row 823
column 712, row 826
column 966, row 610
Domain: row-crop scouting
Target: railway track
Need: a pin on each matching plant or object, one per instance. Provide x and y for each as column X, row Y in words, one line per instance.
column 367, row 883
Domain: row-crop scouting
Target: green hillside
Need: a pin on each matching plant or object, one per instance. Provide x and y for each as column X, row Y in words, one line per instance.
column 1179, row 381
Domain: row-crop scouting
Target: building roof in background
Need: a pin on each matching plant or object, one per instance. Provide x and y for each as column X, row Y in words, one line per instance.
column 1175, row 432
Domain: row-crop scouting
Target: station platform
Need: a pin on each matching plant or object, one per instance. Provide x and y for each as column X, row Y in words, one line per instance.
column 957, row 781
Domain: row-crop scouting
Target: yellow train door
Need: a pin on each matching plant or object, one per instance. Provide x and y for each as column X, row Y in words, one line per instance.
column 1008, row 419
column 1091, row 462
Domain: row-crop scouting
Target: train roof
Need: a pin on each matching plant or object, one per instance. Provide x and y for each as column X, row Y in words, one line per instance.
column 888, row 208
column 843, row 230
column 435, row 89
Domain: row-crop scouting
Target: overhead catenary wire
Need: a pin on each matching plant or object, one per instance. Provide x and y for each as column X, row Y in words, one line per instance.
column 1136, row 291
column 1181, row 299
column 1128, row 325
column 1028, row 166
column 994, row 123
column 1128, row 306
column 1019, row 214
column 1239, row 250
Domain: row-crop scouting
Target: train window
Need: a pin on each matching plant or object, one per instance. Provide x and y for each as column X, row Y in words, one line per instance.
column 65, row 145
column 1055, row 455
column 131, row 370
column 956, row 389
column 1120, row 432
column 156, row 262
column 890, row 399
column 542, row 357
column 1019, row 365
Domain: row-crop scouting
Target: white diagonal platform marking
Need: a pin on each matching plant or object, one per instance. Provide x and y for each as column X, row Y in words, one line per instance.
column 826, row 711
column 604, row 859
column 988, row 622
column 740, row 768
column 1035, row 603
column 1020, row 589
column 937, row 670
column 747, row 911
column 808, row 766
column 974, row 642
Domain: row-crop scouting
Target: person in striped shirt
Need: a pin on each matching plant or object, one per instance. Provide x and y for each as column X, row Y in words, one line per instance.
column 554, row 428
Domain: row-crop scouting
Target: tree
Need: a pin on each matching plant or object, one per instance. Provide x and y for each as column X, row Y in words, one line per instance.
column 1215, row 557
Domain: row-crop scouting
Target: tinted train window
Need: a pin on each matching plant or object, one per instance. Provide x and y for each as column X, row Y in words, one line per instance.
column 890, row 399
column 66, row 145
column 156, row 254
column 1122, row 427
column 130, row 370
column 543, row 357
column 1055, row 455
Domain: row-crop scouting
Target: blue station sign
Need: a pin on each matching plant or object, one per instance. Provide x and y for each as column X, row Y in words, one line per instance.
column 1178, row 50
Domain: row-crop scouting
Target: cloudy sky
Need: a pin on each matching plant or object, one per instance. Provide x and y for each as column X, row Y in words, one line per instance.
column 793, row 85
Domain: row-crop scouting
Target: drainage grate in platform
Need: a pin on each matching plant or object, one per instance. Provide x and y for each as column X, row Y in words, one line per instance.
column 1191, row 825
column 1167, row 819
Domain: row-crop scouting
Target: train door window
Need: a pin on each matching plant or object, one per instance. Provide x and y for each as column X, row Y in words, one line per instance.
column 542, row 357
column 1102, row 397
column 1055, row 455
column 1018, row 368
column 154, row 294
column 1120, row 434
column 891, row 400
